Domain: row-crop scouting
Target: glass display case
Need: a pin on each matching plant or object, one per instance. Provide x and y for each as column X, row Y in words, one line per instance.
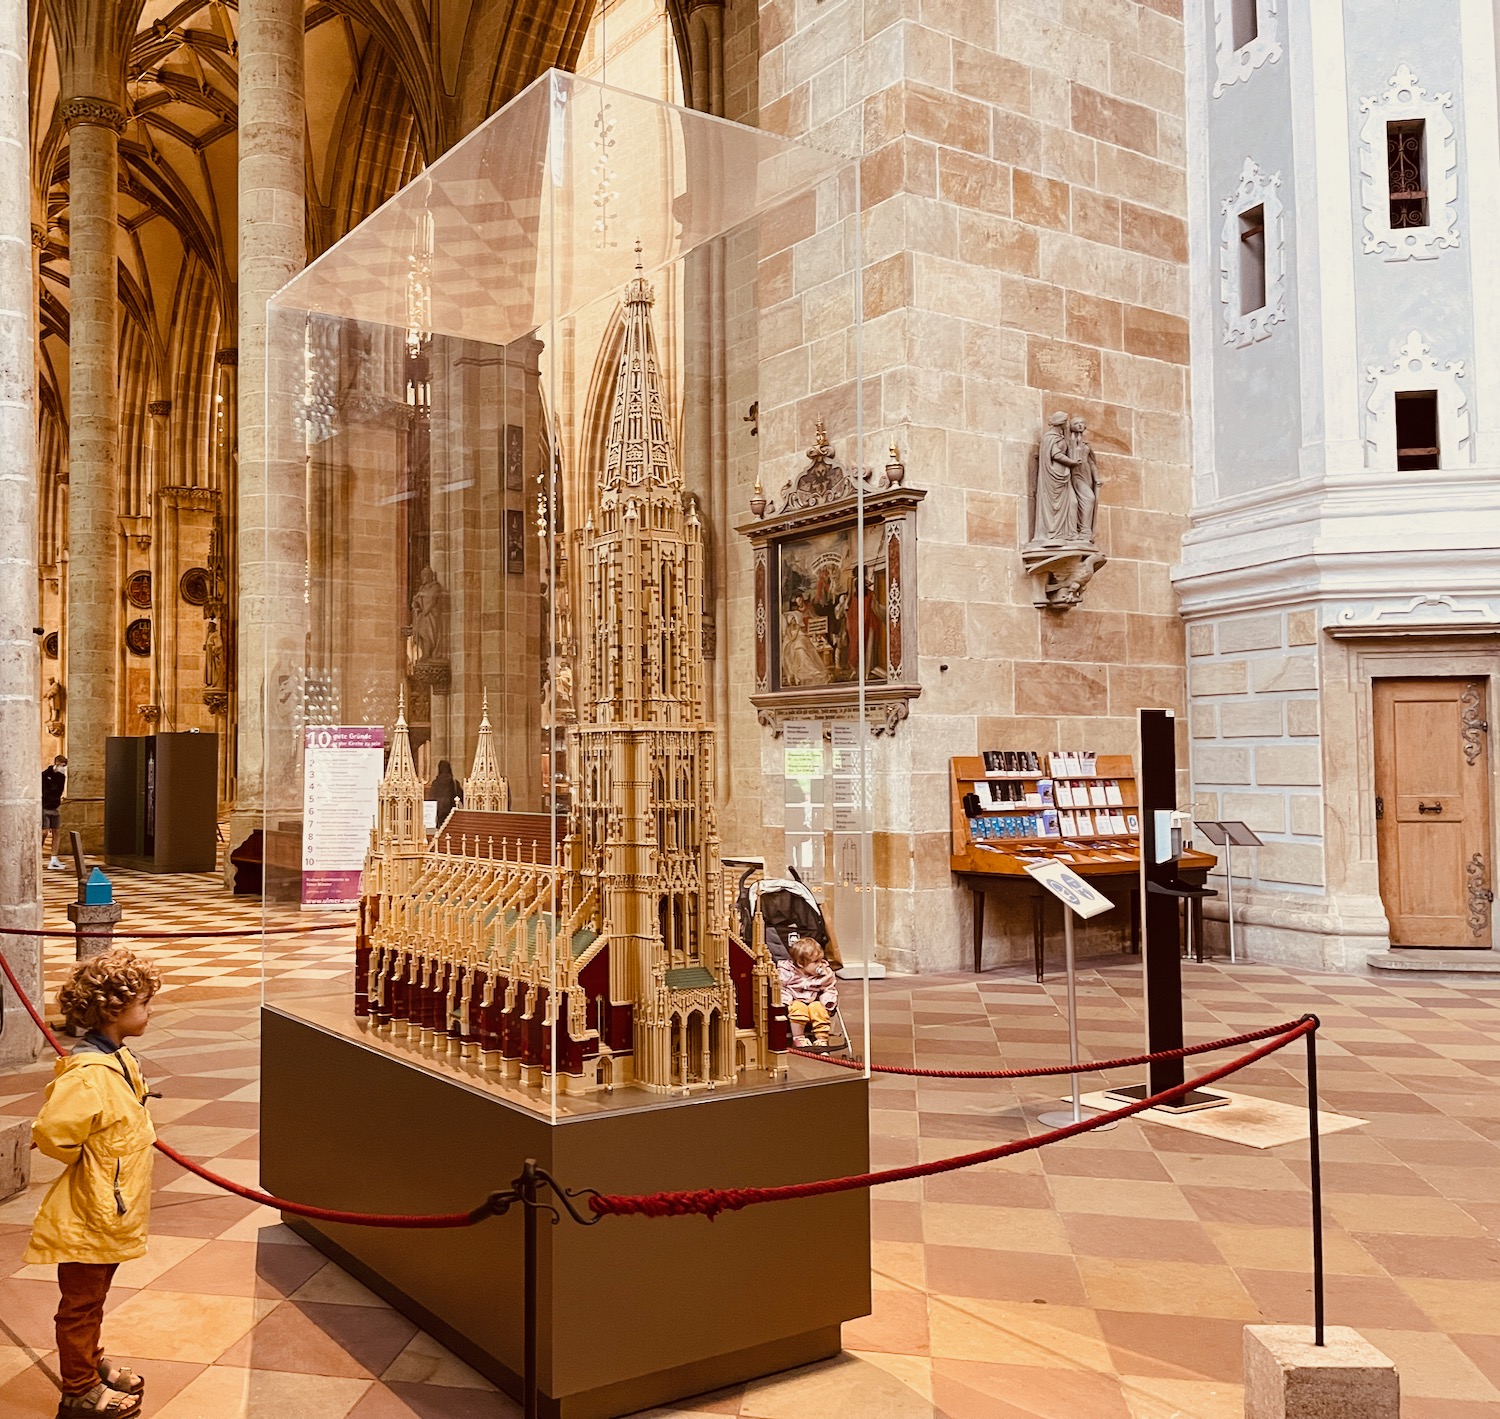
column 511, row 420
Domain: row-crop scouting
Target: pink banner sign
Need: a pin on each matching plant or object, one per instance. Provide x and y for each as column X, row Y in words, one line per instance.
column 342, row 768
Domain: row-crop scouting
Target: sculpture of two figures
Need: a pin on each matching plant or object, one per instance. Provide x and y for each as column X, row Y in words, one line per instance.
column 1062, row 554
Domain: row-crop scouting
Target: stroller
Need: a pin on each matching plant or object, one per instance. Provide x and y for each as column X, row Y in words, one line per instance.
column 787, row 908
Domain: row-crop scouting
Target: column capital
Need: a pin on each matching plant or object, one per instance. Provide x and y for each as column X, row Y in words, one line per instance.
column 38, row 236
column 229, row 355
column 160, row 408
column 99, row 112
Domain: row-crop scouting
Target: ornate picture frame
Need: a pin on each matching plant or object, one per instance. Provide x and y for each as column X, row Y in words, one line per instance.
column 814, row 628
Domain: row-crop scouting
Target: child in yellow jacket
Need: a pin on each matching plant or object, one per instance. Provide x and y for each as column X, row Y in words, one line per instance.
column 94, row 1216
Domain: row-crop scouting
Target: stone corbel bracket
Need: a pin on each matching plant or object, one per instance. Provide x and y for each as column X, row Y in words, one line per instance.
column 1060, row 574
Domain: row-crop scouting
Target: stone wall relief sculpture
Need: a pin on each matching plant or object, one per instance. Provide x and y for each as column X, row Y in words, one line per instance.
column 55, row 697
column 1413, row 368
column 1061, row 554
column 1435, row 163
column 835, row 595
column 427, row 645
column 1262, row 190
column 1237, row 63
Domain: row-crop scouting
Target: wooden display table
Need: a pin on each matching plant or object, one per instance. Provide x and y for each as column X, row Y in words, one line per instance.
column 983, row 863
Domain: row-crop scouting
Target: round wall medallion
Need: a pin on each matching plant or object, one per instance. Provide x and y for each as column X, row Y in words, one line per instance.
column 138, row 637
column 138, row 591
column 50, row 645
column 195, row 586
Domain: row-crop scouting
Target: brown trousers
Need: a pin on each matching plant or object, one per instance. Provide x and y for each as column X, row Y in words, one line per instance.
column 80, row 1313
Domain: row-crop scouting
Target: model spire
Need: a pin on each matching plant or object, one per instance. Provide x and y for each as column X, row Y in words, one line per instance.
column 400, row 797
column 639, row 452
column 486, row 790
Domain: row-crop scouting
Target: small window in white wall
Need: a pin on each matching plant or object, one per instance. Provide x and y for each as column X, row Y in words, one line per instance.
column 1244, row 22
column 1417, row 410
column 1406, row 172
column 1252, row 260
column 1417, row 430
column 1246, row 35
column 1408, row 167
column 1252, row 257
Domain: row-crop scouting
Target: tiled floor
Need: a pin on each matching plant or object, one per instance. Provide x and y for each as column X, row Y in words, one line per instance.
column 1105, row 1278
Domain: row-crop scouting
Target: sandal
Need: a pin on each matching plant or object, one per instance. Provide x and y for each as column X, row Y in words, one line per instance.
column 99, row 1400
column 125, row 1380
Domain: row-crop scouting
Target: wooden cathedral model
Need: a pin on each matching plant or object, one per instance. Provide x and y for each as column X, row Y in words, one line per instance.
column 599, row 951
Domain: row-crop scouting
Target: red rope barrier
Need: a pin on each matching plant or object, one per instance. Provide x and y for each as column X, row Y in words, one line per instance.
column 490, row 1207
column 710, row 1202
column 178, row 935
column 1053, row 1070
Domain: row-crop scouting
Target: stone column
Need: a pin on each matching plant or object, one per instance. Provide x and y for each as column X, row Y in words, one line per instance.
column 271, row 495
column 20, row 730
column 93, row 652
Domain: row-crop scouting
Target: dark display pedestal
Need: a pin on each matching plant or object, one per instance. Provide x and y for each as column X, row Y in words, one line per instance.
column 634, row 1312
column 161, row 802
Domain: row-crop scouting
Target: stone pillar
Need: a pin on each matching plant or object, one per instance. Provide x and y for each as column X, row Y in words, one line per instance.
column 20, row 731
column 93, row 647
column 271, row 508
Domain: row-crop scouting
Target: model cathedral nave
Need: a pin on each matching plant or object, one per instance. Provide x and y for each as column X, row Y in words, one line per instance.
column 601, row 953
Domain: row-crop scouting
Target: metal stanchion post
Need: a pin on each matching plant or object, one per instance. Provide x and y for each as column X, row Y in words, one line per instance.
column 526, row 1187
column 1315, row 1168
column 1057, row 1119
column 1229, row 892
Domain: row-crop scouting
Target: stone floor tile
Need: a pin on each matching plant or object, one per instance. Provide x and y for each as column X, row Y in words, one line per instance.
column 222, row 1392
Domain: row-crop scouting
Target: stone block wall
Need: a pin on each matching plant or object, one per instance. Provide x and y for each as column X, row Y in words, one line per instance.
column 1024, row 249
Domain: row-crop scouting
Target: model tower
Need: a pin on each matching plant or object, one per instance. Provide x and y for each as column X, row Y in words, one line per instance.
column 485, row 789
column 643, row 823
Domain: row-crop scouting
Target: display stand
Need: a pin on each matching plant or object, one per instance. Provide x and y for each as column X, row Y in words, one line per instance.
column 1077, row 898
column 1227, row 833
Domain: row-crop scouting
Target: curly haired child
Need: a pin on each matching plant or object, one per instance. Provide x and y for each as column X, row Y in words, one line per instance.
column 809, row 990
column 94, row 1216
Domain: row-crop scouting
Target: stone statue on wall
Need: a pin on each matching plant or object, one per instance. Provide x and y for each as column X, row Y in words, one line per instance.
column 1062, row 553
column 427, row 618
column 56, row 699
column 213, row 657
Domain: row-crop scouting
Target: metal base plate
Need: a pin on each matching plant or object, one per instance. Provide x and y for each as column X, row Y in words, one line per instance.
column 1189, row 1103
column 1060, row 1118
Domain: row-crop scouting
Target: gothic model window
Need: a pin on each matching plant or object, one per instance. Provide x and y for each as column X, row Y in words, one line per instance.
column 1246, row 35
column 1405, row 173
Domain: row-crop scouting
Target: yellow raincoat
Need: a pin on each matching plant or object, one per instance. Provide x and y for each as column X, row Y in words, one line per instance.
column 95, row 1120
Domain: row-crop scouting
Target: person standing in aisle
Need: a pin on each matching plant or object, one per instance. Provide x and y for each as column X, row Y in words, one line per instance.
column 54, row 781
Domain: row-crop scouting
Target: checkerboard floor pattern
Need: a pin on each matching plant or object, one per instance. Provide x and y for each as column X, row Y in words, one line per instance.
column 1105, row 1278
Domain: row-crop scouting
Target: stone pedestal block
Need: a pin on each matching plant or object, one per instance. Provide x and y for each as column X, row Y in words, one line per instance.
column 1288, row 1377
column 96, row 927
column 15, row 1157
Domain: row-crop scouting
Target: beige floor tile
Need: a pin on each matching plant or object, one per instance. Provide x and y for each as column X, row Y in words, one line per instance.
column 333, row 1284
column 1433, row 1367
column 1458, row 1307
column 1289, row 1249
column 13, row 1359
column 224, row 1393
column 1114, row 1197
column 1016, row 1333
column 898, row 1265
column 424, row 1361
column 1180, row 1288
column 847, row 1386
column 914, row 1371
column 1182, row 1399
column 173, row 1325
column 1004, row 1228
column 1414, row 1216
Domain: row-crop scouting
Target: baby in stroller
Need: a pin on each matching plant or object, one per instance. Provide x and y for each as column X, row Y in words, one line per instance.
column 809, row 991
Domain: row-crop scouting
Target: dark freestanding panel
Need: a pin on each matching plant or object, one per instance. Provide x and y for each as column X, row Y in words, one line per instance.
column 161, row 802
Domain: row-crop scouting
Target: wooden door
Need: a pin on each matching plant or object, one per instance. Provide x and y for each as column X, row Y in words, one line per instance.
column 1432, row 811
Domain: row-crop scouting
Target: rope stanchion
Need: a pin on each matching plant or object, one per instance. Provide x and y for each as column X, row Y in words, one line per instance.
column 1052, row 1071
column 710, row 1202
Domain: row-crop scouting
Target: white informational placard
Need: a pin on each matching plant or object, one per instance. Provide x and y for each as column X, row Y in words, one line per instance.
column 803, row 797
column 1069, row 888
column 343, row 765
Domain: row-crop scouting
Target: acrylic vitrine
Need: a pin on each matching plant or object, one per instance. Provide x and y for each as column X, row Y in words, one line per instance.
column 512, row 419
